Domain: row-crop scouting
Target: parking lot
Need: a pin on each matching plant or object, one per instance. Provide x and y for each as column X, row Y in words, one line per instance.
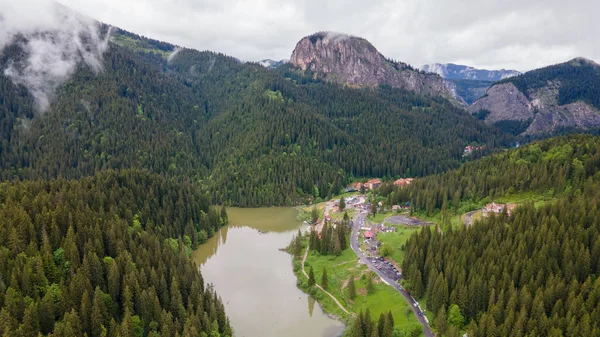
column 386, row 268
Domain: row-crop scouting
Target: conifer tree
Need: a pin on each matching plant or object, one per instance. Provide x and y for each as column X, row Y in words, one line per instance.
column 440, row 319
column 351, row 288
column 324, row 278
column 381, row 324
column 314, row 215
column 370, row 286
column 311, row 277
column 224, row 216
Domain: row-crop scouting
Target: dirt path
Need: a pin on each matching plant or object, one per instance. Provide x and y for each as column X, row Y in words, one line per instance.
column 318, row 286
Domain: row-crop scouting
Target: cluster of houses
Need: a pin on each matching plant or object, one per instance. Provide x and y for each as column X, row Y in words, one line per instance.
column 371, row 232
column 369, row 185
column 469, row 149
column 498, row 208
column 375, row 183
column 402, row 182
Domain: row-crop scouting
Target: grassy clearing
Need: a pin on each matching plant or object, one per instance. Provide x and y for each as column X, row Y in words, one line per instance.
column 379, row 217
column 396, row 240
column 339, row 270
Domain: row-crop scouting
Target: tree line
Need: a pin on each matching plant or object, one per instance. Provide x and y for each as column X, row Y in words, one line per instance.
column 553, row 167
column 333, row 239
column 529, row 274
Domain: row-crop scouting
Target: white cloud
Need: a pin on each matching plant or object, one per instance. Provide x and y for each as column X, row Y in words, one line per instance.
column 483, row 33
column 53, row 39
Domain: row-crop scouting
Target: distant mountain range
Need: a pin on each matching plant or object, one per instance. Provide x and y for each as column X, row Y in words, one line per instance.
column 547, row 100
column 469, row 83
column 451, row 71
column 271, row 64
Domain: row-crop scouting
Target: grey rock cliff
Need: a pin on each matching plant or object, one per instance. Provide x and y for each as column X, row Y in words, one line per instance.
column 354, row 61
column 506, row 103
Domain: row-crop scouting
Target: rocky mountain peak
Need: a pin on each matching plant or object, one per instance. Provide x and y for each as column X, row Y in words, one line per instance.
column 355, row 61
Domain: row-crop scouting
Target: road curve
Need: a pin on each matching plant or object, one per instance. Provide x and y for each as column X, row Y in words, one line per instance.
column 469, row 218
column 360, row 217
column 318, row 286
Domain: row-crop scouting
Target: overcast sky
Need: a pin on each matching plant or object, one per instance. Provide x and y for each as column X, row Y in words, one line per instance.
column 512, row 34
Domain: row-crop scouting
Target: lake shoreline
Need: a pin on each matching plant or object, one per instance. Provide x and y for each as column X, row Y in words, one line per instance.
column 245, row 263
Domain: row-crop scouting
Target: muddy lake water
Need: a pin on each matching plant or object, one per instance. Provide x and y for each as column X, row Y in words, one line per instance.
column 255, row 279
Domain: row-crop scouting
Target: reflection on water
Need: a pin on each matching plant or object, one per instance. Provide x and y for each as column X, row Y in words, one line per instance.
column 311, row 305
column 256, row 280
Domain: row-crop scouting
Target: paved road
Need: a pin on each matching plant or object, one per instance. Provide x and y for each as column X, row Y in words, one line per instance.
column 469, row 218
column 361, row 217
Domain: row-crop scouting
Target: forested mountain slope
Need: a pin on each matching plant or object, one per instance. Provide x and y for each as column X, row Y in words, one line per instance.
column 531, row 274
column 555, row 166
column 105, row 256
column 250, row 136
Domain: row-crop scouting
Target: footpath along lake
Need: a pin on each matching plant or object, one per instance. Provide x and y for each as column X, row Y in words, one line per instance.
column 256, row 280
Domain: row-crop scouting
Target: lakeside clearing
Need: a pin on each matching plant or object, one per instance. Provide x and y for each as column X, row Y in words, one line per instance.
column 339, row 270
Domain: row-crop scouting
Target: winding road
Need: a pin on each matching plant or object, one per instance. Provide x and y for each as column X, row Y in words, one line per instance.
column 361, row 217
column 469, row 218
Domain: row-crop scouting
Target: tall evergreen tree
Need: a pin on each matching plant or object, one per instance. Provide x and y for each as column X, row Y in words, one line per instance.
column 311, row 277
column 351, row 288
column 324, row 281
column 342, row 204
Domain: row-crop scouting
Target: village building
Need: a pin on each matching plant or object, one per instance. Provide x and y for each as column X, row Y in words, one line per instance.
column 354, row 187
column 402, row 182
column 369, row 235
column 497, row 208
column 373, row 184
column 469, row 149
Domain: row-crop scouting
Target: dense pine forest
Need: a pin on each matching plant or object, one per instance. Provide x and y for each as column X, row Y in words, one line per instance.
column 106, row 255
column 553, row 167
column 247, row 135
column 532, row 273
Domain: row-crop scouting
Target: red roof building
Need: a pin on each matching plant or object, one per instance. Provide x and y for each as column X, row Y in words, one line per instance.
column 369, row 235
column 403, row 182
column 373, row 183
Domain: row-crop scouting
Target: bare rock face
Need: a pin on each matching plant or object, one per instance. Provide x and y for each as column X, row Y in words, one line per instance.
column 536, row 104
column 354, row 61
column 577, row 115
column 504, row 102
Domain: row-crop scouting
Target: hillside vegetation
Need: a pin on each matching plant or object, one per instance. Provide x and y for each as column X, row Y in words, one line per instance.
column 555, row 166
column 248, row 135
column 530, row 274
column 106, row 256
